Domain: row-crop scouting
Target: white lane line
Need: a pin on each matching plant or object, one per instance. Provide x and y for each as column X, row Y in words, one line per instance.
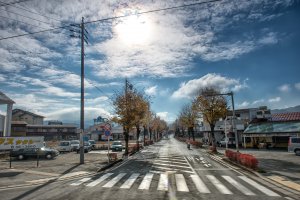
column 190, row 166
column 165, row 168
column 218, row 184
column 163, row 182
column 186, row 171
column 130, row 181
column 165, row 164
column 180, row 183
column 112, row 182
column 81, row 181
column 201, row 158
column 206, row 165
column 170, row 159
column 99, row 180
column 259, row 187
column 145, row 184
column 238, row 186
column 173, row 162
column 201, row 187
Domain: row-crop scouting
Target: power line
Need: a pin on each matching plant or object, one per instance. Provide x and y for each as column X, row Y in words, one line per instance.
column 32, row 12
column 26, row 17
column 7, row 4
column 111, row 18
column 20, row 21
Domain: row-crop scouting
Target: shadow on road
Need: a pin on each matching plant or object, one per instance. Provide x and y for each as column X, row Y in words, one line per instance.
column 45, row 184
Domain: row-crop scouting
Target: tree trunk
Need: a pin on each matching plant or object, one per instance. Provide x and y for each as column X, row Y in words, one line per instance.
column 138, row 131
column 193, row 133
column 189, row 132
column 214, row 146
column 150, row 136
column 126, row 137
column 144, row 134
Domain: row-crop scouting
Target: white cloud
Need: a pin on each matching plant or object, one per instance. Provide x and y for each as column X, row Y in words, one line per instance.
column 2, row 78
column 284, row 88
column 163, row 115
column 192, row 87
column 276, row 99
column 151, row 90
column 98, row 100
column 297, row 86
column 244, row 104
column 258, row 101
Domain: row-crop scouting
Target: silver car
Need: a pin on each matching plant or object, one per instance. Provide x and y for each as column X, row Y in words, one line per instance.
column 294, row 145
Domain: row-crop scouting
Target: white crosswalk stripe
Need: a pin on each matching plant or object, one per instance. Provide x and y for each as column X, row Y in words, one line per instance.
column 81, row 181
column 163, row 182
column 130, row 181
column 112, row 182
column 201, row 187
column 145, row 184
column 222, row 188
column 259, row 187
column 180, row 183
column 99, row 180
column 238, row 186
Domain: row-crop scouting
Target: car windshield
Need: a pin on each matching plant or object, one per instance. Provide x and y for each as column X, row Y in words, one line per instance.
column 117, row 143
column 64, row 144
column 92, row 142
column 74, row 142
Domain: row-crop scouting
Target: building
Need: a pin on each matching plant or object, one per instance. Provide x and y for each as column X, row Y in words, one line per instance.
column 7, row 122
column 26, row 116
column 2, row 121
column 273, row 131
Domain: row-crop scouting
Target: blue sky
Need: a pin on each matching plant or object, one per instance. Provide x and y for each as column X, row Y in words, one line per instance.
column 248, row 47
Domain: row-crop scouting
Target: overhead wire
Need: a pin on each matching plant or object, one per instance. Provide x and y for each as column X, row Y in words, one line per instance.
column 112, row 18
column 11, row 3
column 20, row 21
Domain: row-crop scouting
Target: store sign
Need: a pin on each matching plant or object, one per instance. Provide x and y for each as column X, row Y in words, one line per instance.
column 7, row 143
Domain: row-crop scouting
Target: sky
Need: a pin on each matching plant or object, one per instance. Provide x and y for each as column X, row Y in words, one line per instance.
column 248, row 47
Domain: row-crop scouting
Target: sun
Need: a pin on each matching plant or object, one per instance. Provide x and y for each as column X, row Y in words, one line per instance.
column 134, row 30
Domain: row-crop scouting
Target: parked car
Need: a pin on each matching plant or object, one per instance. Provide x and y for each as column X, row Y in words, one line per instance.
column 75, row 144
column 43, row 152
column 116, row 146
column 87, row 147
column 93, row 143
column 65, row 146
column 294, row 145
column 231, row 142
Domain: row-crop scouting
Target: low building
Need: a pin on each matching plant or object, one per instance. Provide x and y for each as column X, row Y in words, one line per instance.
column 272, row 132
column 2, row 121
column 26, row 116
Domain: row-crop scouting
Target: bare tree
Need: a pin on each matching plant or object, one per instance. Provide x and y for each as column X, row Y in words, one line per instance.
column 188, row 117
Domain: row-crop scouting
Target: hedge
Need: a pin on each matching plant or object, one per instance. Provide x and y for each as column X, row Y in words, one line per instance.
column 243, row 159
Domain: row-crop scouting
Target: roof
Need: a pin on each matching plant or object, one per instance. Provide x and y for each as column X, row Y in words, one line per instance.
column 50, row 126
column 5, row 99
column 24, row 112
column 291, row 116
column 18, row 122
column 273, row 127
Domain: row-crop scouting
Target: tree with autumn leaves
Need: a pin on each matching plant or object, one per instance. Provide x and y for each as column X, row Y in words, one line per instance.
column 132, row 110
column 208, row 104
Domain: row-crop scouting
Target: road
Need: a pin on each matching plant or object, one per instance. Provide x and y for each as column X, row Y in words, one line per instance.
column 166, row 170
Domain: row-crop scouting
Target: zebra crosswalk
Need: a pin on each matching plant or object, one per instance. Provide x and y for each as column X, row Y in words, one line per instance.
column 205, row 184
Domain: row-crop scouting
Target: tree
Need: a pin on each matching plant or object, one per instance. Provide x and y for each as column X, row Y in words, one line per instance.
column 188, row 117
column 130, row 108
column 212, row 106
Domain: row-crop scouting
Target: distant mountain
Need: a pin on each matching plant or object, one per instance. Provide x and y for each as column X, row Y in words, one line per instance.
column 285, row 110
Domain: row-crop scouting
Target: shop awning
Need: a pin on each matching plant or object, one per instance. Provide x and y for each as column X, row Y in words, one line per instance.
column 279, row 128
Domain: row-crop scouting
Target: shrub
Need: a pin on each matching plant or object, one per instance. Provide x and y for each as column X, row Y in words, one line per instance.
column 243, row 159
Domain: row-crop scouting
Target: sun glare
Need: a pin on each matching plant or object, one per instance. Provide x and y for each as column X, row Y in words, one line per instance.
column 134, row 30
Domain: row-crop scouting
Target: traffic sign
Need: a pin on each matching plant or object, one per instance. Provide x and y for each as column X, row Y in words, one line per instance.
column 107, row 132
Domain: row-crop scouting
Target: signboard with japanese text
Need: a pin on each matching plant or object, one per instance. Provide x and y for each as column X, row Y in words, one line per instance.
column 7, row 143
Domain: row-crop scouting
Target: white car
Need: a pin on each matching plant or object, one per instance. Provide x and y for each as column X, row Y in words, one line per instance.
column 65, row 146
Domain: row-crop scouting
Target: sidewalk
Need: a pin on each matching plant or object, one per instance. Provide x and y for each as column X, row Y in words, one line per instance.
column 65, row 166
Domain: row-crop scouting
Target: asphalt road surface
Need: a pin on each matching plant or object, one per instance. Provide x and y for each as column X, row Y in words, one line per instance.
column 166, row 170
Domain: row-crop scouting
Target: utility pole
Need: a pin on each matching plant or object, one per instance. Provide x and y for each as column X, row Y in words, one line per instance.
column 81, row 33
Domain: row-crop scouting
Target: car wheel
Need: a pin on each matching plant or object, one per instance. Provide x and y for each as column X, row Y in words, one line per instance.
column 49, row 156
column 297, row 152
column 21, row 157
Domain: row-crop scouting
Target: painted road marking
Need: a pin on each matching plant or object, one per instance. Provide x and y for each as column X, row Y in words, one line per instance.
column 238, row 186
column 129, row 182
column 173, row 162
column 163, row 182
column 112, row 182
column 81, row 181
column 99, row 180
column 171, row 165
column 201, row 187
column 180, row 183
column 259, row 187
column 145, row 184
column 222, row 188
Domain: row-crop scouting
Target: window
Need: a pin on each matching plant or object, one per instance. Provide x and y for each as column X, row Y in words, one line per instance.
column 295, row 140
